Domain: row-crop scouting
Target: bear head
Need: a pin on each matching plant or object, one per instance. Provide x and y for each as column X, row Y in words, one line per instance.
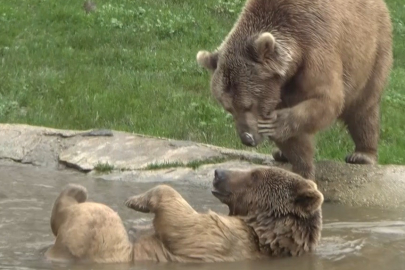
column 246, row 79
column 283, row 208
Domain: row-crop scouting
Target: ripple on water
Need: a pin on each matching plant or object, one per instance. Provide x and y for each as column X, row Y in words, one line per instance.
column 17, row 201
column 336, row 248
column 382, row 230
column 366, row 240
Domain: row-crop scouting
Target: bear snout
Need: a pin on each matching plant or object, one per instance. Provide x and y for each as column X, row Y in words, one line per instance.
column 220, row 185
column 248, row 139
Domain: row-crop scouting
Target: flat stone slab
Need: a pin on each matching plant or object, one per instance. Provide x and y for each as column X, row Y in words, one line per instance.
column 84, row 150
column 139, row 158
column 132, row 152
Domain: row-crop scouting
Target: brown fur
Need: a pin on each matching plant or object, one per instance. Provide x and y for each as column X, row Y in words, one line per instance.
column 273, row 212
column 86, row 231
column 290, row 68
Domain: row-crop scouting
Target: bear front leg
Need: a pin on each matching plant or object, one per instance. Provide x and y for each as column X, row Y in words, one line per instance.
column 292, row 129
column 173, row 216
column 300, row 153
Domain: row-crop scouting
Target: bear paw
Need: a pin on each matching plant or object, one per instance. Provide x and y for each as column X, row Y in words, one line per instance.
column 138, row 203
column 279, row 156
column 280, row 127
column 360, row 158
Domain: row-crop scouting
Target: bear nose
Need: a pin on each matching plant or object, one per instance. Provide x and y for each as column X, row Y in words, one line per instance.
column 247, row 139
column 219, row 176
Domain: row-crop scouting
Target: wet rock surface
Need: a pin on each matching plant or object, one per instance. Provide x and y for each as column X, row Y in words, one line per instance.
column 113, row 155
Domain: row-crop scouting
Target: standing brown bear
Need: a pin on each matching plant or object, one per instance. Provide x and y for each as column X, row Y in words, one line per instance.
column 290, row 68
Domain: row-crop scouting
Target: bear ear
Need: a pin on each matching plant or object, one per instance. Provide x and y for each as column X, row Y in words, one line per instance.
column 265, row 45
column 207, row 60
column 308, row 200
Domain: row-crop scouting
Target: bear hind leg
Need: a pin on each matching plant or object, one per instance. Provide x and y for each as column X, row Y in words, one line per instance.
column 364, row 130
column 363, row 121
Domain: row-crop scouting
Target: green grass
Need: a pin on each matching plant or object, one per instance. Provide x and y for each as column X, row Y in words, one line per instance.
column 198, row 163
column 131, row 66
column 193, row 164
column 103, row 167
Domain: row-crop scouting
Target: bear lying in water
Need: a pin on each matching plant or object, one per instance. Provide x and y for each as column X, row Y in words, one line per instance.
column 272, row 212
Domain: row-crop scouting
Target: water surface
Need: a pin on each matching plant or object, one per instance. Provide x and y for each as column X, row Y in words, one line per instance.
column 352, row 238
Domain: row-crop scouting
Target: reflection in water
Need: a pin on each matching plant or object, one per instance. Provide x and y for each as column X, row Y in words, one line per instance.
column 352, row 239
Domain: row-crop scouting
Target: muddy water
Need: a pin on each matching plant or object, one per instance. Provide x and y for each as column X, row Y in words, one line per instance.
column 353, row 239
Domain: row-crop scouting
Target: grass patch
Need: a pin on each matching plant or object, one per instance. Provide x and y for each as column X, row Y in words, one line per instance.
column 198, row 163
column 131, row 66
column 103, row 167
column 195, row 164
column 164, row 165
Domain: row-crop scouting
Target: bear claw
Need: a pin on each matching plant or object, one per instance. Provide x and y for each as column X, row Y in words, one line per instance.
column 137, row 203
column 360, row 158
column 279, row 156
